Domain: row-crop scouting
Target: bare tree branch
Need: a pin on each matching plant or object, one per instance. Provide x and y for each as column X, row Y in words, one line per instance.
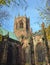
column 4, row 14
column 44, row 12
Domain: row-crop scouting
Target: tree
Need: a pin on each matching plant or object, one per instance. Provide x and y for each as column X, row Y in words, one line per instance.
column 46, row 41
column 48, row 33
column 45, row 12
column 17, row 2
column 4, row 15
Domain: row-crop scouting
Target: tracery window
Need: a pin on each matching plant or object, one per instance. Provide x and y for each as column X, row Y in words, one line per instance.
column 41, row 53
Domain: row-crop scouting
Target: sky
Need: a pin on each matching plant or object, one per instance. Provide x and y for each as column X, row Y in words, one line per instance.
column 31, row 13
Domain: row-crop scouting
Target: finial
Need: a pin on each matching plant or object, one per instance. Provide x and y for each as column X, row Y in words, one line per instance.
column 43, row 24
column 29, row 17
column 25, row 14
column 18, row 14
column 15, row 17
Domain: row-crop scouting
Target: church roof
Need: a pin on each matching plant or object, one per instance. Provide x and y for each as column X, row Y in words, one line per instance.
column 11, row 34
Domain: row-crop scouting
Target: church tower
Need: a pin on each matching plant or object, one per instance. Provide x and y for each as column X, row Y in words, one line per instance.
column 22, row 26
column 23, row 31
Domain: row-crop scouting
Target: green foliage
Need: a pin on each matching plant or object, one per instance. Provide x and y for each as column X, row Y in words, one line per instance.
column 2, row 2
column 5, row 14
column 48, row 32
column 9, row 1
column 44, row 12
column 5, row 2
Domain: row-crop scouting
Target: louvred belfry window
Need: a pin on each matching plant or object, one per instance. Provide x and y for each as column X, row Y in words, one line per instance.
column 21, row 24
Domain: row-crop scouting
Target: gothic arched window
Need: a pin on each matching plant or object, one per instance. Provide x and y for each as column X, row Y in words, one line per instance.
column 21, row 24
column 41, row 53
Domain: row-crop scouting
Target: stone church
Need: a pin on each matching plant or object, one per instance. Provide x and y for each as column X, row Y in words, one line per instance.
column 33, row 52
column 23, row 31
